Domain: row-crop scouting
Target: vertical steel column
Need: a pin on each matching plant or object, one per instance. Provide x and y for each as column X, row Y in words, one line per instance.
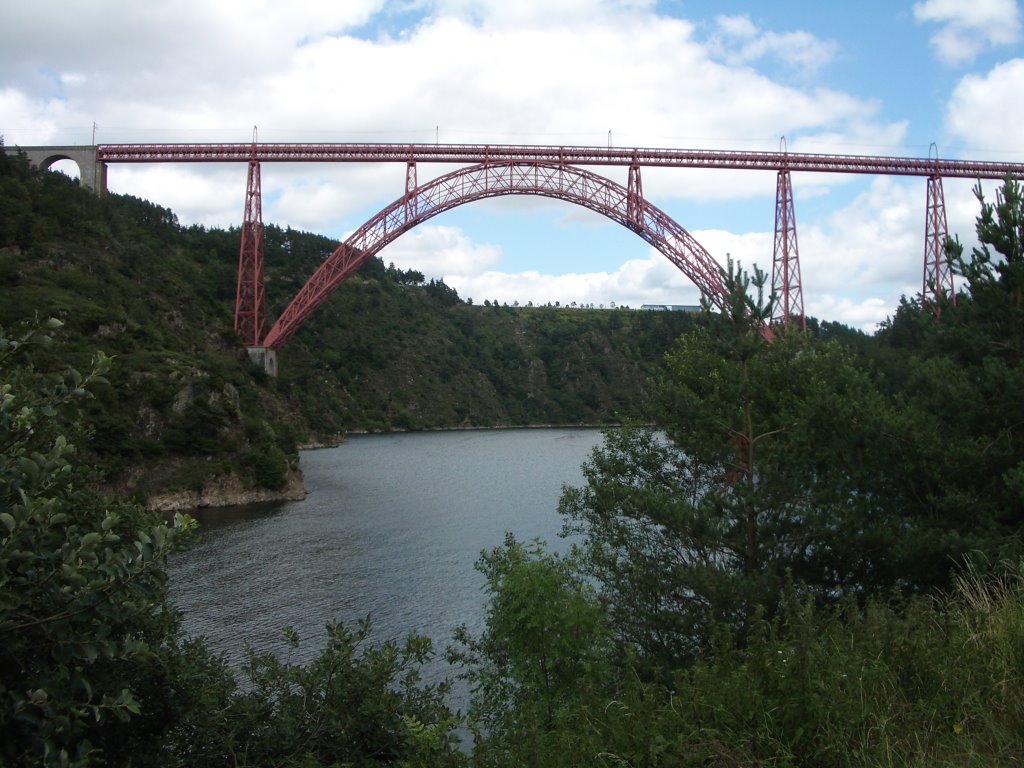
column 249, row 308
column 635, row 195
column 787, row 289
column 938, row 277
column 411, row 202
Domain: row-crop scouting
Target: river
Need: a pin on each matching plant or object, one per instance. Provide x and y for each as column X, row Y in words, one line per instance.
column 392, row 528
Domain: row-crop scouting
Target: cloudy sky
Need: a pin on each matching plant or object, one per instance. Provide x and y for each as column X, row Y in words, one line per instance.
column 871, row 77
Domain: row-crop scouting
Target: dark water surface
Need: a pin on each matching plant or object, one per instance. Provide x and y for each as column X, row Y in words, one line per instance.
column 392, row 528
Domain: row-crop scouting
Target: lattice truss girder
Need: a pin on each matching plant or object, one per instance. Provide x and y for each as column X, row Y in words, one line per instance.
column 249, row 296
column 787, row 288
column 621, row 204
column 556, row 155
column 938, row 277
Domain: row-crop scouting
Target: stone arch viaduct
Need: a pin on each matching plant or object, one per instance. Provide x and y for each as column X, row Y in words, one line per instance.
column 92, row 171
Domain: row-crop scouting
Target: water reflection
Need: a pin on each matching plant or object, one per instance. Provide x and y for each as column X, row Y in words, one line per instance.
column 213, row 518
column 392, row 529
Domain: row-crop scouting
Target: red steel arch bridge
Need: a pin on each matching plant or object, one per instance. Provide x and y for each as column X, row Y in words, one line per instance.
column 560, row 172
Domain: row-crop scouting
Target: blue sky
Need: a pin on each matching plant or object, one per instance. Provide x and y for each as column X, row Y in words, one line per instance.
column 869, row 77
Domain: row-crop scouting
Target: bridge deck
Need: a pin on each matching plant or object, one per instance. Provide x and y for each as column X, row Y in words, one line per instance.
column 580, row 156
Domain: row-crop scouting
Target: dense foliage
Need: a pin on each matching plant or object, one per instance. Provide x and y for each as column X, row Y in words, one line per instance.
column 388, row 351
column 922, row 682
column 815, row 559
column 807, row 551
column 82, row 623
column 93, row 667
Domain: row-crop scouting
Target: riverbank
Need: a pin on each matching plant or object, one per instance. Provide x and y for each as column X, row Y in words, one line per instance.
column 392, row 528
column 227, row 491
column 465, row 428
column 224, row 491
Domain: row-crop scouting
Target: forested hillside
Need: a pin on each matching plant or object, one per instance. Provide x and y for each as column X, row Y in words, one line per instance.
column 821, row 566
column 810, row 553
column 387, row 351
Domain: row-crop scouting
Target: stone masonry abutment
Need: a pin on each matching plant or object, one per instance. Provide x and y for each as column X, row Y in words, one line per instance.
column 92, row 172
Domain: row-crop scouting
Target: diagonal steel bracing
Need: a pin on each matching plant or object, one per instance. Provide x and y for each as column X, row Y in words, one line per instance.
column 250, row 311
column 787, row 289
column 938, row 277
column 621, row 204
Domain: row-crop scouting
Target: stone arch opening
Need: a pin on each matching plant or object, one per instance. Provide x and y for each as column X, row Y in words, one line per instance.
column 63, row 164
column 90, row 172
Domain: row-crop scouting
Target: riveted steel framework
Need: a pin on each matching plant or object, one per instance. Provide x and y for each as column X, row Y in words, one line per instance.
column 938, row 277
column 786, row 269
column 249, row 297
column 585, row 156
column 787, row 290
column 493, row 179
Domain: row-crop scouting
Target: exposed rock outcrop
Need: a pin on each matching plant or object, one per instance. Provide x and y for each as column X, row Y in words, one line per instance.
column 228, row 491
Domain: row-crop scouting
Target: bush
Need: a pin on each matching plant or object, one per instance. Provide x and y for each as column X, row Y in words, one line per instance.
column 84, row 635
column 269, row 467
column 93, row 667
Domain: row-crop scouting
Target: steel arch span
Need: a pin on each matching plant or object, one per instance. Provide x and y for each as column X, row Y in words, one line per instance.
column 564, row 182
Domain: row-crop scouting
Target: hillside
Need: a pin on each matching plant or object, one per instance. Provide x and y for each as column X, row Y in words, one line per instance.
column 185, row 410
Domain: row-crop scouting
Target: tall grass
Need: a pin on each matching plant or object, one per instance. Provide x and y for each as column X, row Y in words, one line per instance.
column 929, row 681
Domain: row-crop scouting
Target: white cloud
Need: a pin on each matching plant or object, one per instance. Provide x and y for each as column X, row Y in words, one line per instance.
column 210, row 198
column 875, row 241
column 969, row 27
column 565, row 77
column 192, row 36
column 474, row 270
column 537, row 71
column 858, row 284
column 331, row 200
column 856, row 264
column 748, row 249
column 987, row 111
column 608, row 70
column 865, row 315
column 503, row 14
column 653, row 280
column 737, row 40
column 442, row 252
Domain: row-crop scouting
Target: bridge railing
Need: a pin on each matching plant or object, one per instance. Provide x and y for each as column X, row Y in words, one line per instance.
column 482, row 153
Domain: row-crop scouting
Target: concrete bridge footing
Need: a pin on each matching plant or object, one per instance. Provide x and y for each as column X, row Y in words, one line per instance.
column 265, row 358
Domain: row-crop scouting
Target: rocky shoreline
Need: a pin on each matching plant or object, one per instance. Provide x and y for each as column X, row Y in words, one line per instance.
column 227, row 491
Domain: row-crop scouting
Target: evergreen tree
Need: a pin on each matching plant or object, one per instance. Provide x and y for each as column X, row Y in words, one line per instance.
column 958, row 383
column 760, row 466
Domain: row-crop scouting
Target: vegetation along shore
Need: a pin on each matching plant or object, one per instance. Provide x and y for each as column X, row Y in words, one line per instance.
column 804, row 551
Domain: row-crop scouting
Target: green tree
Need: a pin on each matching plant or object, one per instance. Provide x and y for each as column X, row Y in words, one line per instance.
column 355, row 704
column 759, row 467
column 93, row 666
column 84, row 632
column 269, row 466
column 958, row 384
column 545, row 646
column 994, row 305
